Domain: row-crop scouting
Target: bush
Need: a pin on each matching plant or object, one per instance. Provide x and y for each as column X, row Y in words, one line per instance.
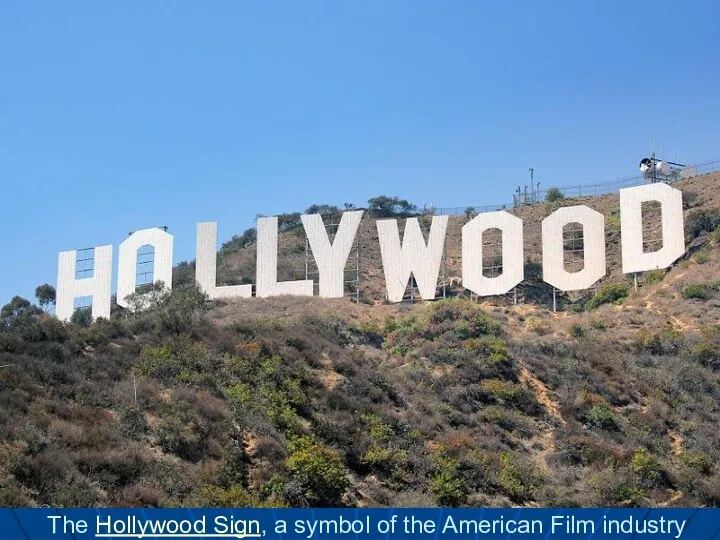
column 554, row 194
column 322, row 209
column 699, row 222
column 699, row 461
column 384, row 206
column 509, row 394
column 82, row 317
column 538, row 326
column 696, row 291
column 518, row 479
column 445, row 484
column 705, row 353
column 654, row 277
column 181, row 439
column 134, row 424
column 598, row 324
column 646, row 467
column 701, row 257
column 715, row 237
column 667, row 341
column 700, row 291
column 602, row 417
column 610, row 293
column 236, row 243
column 577, row 331
column 184, row 307
column 319, row 470
column 690, row 198
column 217, row 497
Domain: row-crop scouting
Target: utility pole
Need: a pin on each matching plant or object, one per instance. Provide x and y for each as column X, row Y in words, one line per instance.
column 532, row 185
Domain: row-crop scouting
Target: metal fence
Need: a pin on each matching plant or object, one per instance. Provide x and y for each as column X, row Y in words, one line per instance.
column 572, row 192
column 568, row 192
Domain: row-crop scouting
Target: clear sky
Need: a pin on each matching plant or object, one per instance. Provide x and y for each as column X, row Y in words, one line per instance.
column 118, row 116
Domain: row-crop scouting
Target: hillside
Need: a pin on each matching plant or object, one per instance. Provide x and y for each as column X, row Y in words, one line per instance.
column 612, row 401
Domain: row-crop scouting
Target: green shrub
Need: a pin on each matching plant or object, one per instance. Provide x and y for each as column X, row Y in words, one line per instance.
column 133, row 423
column 319, row 470
column 82, row 317
column 508, row 393
column 598, row 324
column 445, row 484
column 701, row 257
column 700, row 291
column 384, row 206
column 613, row 218
column 183, row 308
column 538, row 326
column 518, row 479
column 554, row 194
column 577, row 331
column 629, row 494
column 610, row 293
column 181, row 439
column 699, row 461
column 236, row 243
column 645, row 466
column 705, row 352
column 231, row 497
column 653, row 277
column 701, row 221
column 601, row 416
column 715, row 237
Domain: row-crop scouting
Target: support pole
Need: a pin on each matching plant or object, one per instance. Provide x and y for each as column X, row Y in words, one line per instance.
column 357, row 269
column 635, row 280
column 554, row 301
column 307, row 257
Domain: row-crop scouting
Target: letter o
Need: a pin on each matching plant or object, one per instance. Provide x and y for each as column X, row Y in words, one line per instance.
column 554, row 272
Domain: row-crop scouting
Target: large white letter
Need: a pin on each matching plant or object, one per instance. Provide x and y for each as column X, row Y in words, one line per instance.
column 331, row 258
column 206, row 265
column 513, row 269
column 673, row 231
column 267, row 283
column 162, row 242
column 99, row 286
column 414, row 257
column 593, row 228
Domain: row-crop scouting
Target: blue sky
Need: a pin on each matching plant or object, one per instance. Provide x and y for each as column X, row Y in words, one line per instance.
column 118, row 116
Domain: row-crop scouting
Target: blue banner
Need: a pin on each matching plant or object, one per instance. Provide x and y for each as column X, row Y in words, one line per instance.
column 313, row 524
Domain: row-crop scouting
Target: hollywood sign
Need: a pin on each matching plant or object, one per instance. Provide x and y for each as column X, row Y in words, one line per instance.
column 400, row 258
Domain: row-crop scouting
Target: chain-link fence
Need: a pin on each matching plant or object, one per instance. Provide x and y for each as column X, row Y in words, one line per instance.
column 574, row 192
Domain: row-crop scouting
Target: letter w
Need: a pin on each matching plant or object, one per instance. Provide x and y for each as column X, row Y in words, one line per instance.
column 414, row 257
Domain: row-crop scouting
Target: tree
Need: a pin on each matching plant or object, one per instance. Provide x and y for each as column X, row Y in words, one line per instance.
column 18, row 312
column 82, row 316
column 554, row 194
column 45, row 295
column 184, row 272
column 322, row 209
column 236, row 243
column 184, row 307
column 147, row 297
column 384, row 206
